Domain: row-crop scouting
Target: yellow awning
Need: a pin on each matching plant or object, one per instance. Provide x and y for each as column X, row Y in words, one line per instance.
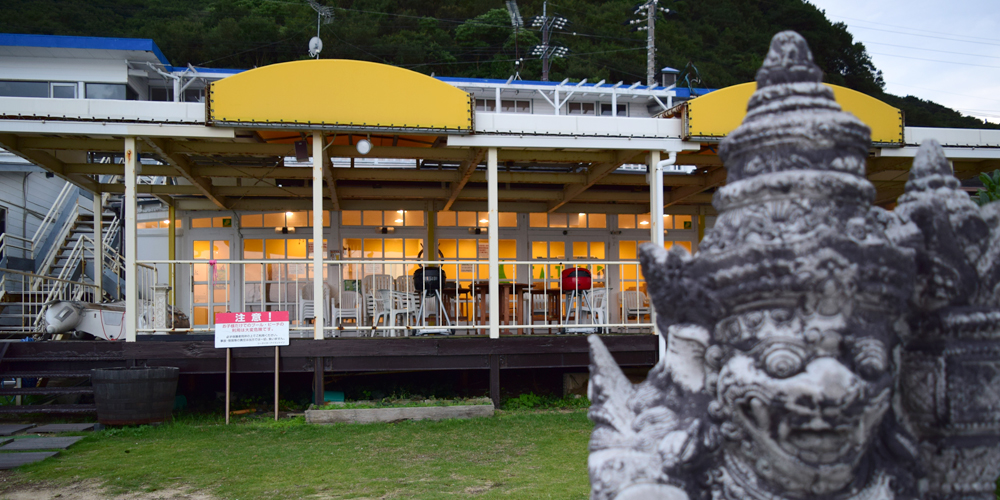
column 716, row 114
column 339, row 94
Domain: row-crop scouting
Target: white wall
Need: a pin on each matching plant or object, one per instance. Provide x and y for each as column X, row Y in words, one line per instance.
column 64, row 70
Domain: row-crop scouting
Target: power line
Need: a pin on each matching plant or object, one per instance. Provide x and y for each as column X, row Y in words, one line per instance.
column 912, row 29
column 925, row 36
column 931, row 50
column 935, row 60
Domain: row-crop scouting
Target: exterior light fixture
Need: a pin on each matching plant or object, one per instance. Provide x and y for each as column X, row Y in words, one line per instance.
column 364, row 146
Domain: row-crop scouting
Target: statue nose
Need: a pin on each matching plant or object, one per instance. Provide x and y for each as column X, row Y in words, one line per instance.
column 825, row 383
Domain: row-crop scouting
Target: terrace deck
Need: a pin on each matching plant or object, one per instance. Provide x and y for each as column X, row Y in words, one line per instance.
column 197, row 355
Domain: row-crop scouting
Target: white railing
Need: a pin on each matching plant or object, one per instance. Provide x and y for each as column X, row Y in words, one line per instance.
column 377, row 297
column 32, row 303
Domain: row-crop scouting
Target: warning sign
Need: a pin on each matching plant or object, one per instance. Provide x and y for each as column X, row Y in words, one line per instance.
column 251, row 329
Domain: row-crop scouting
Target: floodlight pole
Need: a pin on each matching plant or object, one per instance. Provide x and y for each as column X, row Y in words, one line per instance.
column 650, row 43
column 546, row 29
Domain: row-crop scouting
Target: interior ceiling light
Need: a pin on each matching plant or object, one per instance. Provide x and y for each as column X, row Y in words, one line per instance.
column 399, row 220
column 288, row 214
column 364, row 146
column 644, row 222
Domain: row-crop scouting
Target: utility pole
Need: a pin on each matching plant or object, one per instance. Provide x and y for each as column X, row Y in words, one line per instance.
column 649, row 9
column 546, row 51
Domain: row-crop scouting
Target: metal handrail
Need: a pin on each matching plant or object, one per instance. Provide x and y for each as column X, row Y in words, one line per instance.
column 50, row 217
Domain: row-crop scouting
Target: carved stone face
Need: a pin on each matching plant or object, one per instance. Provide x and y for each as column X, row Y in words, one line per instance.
column 803, row 396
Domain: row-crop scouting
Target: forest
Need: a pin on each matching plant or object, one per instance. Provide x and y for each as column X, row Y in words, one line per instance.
column 713, row 44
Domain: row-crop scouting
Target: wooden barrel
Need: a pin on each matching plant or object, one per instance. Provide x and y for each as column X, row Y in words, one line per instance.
column 133, row 396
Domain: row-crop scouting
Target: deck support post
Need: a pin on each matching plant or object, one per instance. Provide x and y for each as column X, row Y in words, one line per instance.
column 318, row 368
column 317, row 203
column 98, row 247
column 495, row 379
column 494, row 242
column 131, row 275
column 656, row 224
column 172, row 255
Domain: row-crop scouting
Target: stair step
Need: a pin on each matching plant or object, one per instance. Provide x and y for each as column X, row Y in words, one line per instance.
column 23, row 409
column 45, row 391
column 45, row 374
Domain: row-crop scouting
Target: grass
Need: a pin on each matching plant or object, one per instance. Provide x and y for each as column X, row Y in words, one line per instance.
column 516, row 454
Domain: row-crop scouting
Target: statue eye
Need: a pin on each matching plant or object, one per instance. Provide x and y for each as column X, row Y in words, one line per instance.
column 783, row 361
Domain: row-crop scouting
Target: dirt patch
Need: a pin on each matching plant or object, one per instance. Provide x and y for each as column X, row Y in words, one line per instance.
column 90, row 490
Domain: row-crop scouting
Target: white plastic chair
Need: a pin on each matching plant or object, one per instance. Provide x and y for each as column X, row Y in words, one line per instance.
column 350, row 307
column 634, row 304
column 306, row 304
column 370, row 285
column 597, row 307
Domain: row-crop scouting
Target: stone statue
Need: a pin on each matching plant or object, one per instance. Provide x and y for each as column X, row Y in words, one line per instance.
column 817, row 346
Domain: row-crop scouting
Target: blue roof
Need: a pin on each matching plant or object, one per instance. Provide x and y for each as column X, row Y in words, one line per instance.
column 83, row 42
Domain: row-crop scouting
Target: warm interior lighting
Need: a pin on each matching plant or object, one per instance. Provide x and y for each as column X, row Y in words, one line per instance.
column 289, row 214
column 582, row 214
column 484, row 221
column 399, row 211
column 399, row 220
column 166, row 222
column 644, row 222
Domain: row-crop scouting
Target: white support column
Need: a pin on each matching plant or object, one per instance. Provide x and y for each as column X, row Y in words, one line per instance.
column 317, row 199
column 494, row 241
column 656, row 226
column 98, row 246
column 558, row 104
column 131, row 270
column 497, row 103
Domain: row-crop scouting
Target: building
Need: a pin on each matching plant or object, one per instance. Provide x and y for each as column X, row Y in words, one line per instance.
column 221, row 173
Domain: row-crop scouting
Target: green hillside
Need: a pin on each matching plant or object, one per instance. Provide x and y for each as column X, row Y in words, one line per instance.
column 714, row 44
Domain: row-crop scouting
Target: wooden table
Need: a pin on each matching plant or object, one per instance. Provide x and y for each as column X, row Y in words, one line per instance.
column 481, row 289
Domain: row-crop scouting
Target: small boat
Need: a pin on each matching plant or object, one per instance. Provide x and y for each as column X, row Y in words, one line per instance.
column 103, row 321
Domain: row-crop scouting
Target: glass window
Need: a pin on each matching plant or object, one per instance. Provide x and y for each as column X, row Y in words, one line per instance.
column 106, row 91
column 274, row 219
column 161, row 94
column 414, row 218
column 683, row 222
column 467, row 219
column 597, row 221
column 606, row 109
column 557, row 220
column 372, row 217
column 626, row 221
column 446, row 219
column 512, row 106
column 64, row 90
column 538, row 220
column 486, row 105
column 24, row 89
column 507, row 219
column 394, row 218
column 297, row 219
column 201, row 222
column 253, row 220
column 643, row 221
column 577, row 220
column 581, row 108
column 350, row 218
column 194, row 95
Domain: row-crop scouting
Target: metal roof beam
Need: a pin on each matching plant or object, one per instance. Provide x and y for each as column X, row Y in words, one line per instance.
column 47, row 161
column 183, row 166
column 708, row 181
column 465, row 171
column 595, row 173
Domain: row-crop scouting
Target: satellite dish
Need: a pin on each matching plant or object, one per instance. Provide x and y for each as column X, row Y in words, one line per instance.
column 315, row 46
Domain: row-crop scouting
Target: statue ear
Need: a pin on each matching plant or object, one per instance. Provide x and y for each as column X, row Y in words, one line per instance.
column 685, row 358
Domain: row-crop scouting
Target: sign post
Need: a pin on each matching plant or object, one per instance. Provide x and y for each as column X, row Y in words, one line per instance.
column 251, row 329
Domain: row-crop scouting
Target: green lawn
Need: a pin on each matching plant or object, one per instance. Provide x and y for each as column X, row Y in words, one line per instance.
column 523, row 454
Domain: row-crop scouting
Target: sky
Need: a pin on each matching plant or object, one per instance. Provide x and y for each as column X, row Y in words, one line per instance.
column 943, row 51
